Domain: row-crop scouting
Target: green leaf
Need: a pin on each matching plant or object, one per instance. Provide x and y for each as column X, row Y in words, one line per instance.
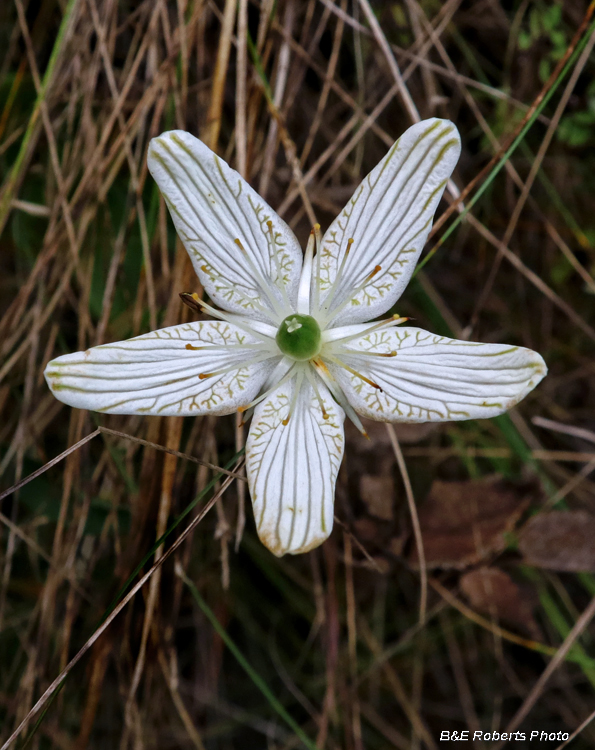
column 524, row 40
column 545, row 69
column 551, row 18
column 535, row 24
column 558, row 39
column 252, row 674
column 560, row 272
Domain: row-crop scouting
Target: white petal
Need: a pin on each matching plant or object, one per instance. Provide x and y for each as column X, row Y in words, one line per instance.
column 332, row 334
column 292, row 468
column 388, row 217
column 158, row 373
column 435, row 379
column 212, row 206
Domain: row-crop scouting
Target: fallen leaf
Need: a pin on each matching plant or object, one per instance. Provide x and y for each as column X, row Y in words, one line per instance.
column 464, row 522
column 378, row 493
column 560, row 540
column 396, row 545
column 494, row 593
column 365, row 529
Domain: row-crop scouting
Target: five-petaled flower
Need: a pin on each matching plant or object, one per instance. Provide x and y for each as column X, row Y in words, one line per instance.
column 291, row 341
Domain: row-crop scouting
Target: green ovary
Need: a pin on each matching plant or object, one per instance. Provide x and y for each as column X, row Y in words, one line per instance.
column 299, row 337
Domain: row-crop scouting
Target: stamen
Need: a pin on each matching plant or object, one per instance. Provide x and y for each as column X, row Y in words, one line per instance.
column 394, row 320
column 303, row 303
column 312, row 381
column 364, row 353
column 353, row 293
column 191, row 300
column 328, row 314
column 296, row 393
column 268, row 391
column 238, row 366
column 317, row 279
column 225, row 347
column 196, row 303
column 222, row 282
column 264, row 285
column 337, row 361
column 326, row 377
column 317, row 235
column 247, row 415
column 329, row 297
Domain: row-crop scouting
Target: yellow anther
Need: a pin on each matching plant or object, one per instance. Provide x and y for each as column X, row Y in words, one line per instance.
column 320, row 364
column 378, row 354
column 374, row 272
column 342, row 364
column 192, row 301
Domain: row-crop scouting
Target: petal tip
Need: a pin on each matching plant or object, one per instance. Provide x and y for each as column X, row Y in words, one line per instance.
column 156, row 144
column 273, row 542
column 539, row 369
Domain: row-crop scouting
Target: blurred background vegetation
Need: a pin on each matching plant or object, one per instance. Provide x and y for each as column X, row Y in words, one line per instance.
column 225, row 646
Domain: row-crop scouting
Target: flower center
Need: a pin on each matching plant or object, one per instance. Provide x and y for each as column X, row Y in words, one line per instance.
column 299, row 337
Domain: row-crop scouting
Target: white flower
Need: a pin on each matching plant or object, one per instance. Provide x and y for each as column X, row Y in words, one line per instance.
column 291, row 338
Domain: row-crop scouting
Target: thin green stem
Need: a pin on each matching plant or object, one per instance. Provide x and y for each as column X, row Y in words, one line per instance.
column 252, row 674
column 162, row 538
column 511, row 149
column 13, row 178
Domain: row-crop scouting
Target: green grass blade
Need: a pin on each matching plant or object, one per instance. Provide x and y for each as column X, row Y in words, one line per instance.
column 15, row 172
column 512, row 148
column 252, row 674
column 170, row 529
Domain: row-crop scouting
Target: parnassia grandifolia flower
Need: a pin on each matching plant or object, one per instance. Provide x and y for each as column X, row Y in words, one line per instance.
column 290, row 340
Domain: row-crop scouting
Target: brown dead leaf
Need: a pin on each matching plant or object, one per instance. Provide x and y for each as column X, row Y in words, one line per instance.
column 464, row 522
column 494, row 593
column 378, row 493
column 560, row 540
column 365, row 529
column 396, row 545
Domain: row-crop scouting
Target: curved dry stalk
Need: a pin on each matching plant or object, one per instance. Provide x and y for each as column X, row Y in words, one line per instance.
column 528, row 184
column 565, row 429
column 558, row 659
column 531, row 276
column 107, row 431
column 45, row 697
column 48, row 465
column 578, row 730
column 172, row 452
column 419, row 542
